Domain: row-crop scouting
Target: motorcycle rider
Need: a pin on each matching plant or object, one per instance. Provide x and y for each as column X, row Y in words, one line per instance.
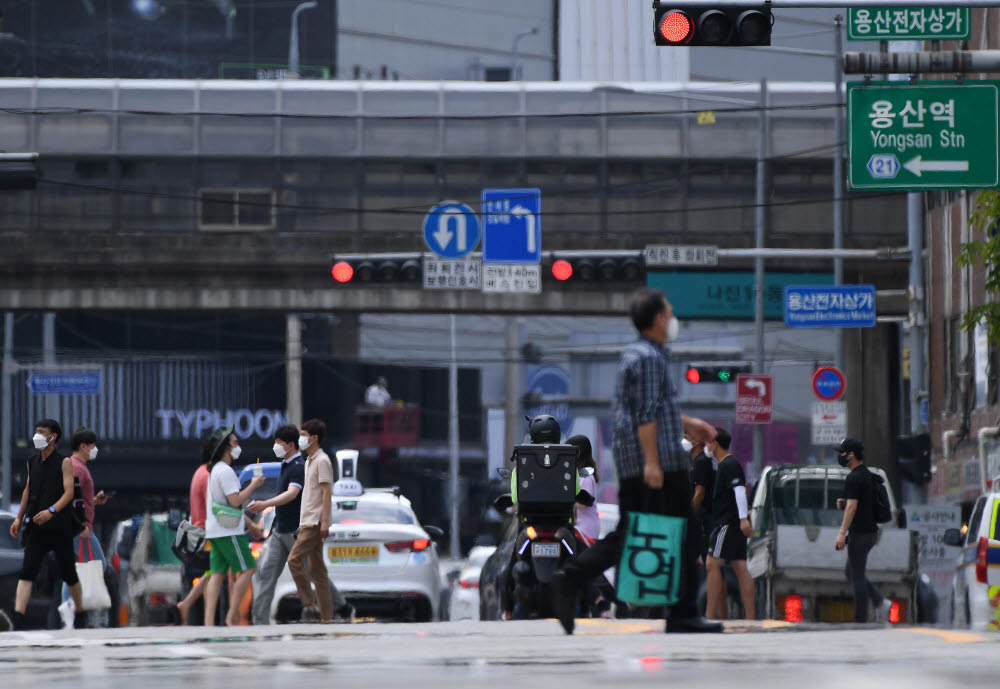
column 542, row 430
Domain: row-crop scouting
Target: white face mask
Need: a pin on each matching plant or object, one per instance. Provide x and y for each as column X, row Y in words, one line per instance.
column 93, row 454
column 303, row 442
column 279, row 451
column 40, row 441
column 236, row 452
column 673, row 329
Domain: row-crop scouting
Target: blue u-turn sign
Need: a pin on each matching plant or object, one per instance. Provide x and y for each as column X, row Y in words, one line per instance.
column 451, row 229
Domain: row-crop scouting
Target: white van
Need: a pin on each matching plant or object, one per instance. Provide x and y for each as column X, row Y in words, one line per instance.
column 976, row 586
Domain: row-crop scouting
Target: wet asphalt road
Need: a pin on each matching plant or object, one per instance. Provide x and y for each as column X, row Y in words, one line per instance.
column 603, row 653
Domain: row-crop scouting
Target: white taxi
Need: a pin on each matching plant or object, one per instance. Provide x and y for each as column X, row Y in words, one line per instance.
column 976, row 586
column 377, row 554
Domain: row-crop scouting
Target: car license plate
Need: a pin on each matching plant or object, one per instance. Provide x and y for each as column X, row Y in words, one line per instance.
column 544, row 550
column 352, row 554
column 835, row 610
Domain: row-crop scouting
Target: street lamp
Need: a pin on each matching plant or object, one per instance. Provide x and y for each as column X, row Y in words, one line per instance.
column 293, row 39
column 514, row 66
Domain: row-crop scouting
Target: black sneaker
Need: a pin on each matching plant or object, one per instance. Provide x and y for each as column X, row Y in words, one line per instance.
column 564, row 601
column 80, row 620
column 346, row 613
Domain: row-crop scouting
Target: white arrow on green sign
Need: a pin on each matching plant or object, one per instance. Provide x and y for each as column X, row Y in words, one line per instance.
column 928, row 135
column 908, row 24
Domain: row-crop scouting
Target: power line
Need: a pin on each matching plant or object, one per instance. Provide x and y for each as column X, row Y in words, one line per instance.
column 61, row 111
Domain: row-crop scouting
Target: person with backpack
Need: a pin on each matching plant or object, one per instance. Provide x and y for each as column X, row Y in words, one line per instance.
column 859, row 529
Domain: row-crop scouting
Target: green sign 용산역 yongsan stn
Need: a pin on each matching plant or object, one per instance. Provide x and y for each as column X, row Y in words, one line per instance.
column 927, row 135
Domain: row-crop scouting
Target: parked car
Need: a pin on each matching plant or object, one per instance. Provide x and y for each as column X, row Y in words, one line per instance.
column 976, row 586
column 464, row 600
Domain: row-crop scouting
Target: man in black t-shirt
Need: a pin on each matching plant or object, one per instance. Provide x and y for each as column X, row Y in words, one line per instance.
column 703, row 479
column 728, row 542
column 859, row 531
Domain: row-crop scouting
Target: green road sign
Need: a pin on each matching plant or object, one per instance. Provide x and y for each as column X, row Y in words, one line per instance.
column 908, row 24
column 930, row 135
column 723, row 294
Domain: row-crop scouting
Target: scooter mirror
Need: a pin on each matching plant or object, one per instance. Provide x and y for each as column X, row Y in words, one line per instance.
column 586, row 472
column 504, row 473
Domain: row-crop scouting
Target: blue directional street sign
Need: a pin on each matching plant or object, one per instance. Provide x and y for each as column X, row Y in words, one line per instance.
column 451, row 229
column 512, row 225
column 69, row 383
column 843, row 306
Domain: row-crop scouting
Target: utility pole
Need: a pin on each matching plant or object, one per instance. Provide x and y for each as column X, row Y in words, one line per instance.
column 839, row 131
column 764, row 137
column 7, row 370
column 49, row 359
column 453, row 448
column 513, row 423
column 293, row 369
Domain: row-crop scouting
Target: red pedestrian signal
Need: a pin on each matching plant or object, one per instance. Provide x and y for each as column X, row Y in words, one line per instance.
column 693, row 376
column 342, row 271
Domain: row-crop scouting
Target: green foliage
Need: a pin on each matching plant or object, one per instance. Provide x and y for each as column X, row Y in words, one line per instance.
column 986, row 216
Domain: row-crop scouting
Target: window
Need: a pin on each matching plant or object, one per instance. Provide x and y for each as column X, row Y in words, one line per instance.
column 977, row 517
column 236, row 209
column 358, row 512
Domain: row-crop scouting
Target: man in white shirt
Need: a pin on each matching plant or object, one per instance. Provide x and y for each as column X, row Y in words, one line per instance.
column 377, row 394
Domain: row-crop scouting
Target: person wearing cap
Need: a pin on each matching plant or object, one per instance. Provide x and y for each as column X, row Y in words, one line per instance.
column 377, row 394
column 859, row 530
column 230, row 548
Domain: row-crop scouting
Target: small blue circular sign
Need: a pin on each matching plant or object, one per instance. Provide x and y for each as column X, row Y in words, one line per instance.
column 451, row 229
column 829, row 383
column 549, row 379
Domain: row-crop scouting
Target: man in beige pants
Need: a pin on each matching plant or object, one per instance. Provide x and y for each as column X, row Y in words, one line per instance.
column 314, row 527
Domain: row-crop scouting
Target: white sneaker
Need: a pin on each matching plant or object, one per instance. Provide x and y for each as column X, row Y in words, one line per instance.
column 67, row 613
column 882, row 611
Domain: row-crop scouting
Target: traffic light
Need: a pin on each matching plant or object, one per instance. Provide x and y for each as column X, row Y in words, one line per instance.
column 715, row 372
column 594, row 267
column 378, row 270
column 913, row 453
column 18, row 171
column 712, row 25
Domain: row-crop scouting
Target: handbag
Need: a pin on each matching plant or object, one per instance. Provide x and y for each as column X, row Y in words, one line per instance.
column 228, row 517
column 94, row 594
column 191, row 546
column 649, row 570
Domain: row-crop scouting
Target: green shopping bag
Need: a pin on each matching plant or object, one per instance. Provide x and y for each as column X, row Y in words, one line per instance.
column 649, row 571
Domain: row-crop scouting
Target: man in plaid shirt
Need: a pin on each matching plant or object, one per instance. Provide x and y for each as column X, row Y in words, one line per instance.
column 652, row 465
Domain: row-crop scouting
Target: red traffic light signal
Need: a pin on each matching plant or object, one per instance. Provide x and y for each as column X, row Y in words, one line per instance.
column 562, row 270
column 715, row 372
column 342, row 271
column 675, row 27
column 711, row 25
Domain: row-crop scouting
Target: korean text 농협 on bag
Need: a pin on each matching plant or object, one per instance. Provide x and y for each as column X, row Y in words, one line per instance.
column 649, row 571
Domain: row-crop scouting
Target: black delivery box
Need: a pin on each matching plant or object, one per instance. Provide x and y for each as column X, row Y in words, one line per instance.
column 546, row 474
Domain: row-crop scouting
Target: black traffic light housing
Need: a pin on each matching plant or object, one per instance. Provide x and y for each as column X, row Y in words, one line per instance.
column 712, row 25
column 18, row 171
column 913, row 454
column 697, row 373
column 596, row 268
